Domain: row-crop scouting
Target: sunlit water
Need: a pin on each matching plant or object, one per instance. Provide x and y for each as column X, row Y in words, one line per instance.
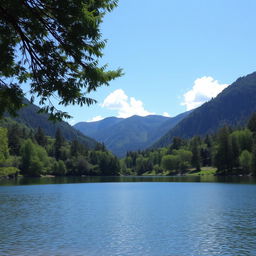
column 128, row 218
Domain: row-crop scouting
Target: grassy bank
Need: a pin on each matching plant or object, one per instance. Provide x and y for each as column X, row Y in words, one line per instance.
column 204, row 171
column 191, row 172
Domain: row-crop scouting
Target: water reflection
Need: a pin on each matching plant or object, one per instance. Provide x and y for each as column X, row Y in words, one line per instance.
column 66, row 180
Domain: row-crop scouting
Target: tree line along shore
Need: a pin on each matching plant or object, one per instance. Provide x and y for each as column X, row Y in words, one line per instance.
column 28, row 152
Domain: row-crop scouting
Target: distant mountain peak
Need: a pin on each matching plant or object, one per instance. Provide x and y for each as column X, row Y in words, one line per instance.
column 128, row 134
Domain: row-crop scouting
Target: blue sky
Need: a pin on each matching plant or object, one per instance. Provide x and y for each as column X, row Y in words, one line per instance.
column 165, row 46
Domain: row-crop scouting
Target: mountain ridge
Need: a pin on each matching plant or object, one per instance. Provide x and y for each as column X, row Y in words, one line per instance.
column 121, row 135
column 233, row 106
column 29, row 116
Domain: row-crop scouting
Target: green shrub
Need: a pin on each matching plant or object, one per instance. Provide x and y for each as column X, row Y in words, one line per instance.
column 7, row 171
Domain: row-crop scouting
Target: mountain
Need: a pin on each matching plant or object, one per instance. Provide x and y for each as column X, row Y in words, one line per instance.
column 29, row 116
column 233, row 106
column 128, row 134
column 96, row 129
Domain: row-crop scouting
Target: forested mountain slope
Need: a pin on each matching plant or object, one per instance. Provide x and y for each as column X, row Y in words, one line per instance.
column 129, row 134
column 233, row 106
column 29, row 116
column 30, row 152
column 97, row 129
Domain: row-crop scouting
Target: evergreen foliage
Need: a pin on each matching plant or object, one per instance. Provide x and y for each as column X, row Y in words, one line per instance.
column 38, row 155
column 4, row 150
column 232, row 152
column 196, row 162
column 229, row 151
column 28, row 116
column 40, row 137
column 245, row 160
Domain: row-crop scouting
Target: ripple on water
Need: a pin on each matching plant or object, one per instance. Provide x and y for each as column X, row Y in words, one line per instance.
column 122, row 219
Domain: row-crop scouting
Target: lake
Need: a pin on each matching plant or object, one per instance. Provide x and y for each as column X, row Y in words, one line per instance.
column 140, row 216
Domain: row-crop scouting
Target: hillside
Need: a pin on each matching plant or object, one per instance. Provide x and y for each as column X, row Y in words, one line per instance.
column 96, row 129
column 130, row 134
column 28, row 115
column 233, row 106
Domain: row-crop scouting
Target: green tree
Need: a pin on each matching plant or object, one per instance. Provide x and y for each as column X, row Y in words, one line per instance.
column 59, row 142
column 244, row 139
column 245, row 160
column 128, row 162
column 206, row 151
column 4, row 150
column 133, row 156
column 82, row 166
column 14, row 138
column 56, row 46
column 77, row 148
column 143, row 164
column 184, row 157
column 27, row 153
column 170, row 162
column 59, row 168
column 155, row 157
column 196, row 160
column 93, row 156
column 253, row 163
column 223, row 157
column 252, row 123
column 107, row 163
column 34, row 159
column 177, row 142
column 40, row 137
column 208, row 141
column 235, row 147
column 74, row 149
column 205, row 156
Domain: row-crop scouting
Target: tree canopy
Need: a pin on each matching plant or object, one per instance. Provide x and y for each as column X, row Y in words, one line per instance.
column 55, row 46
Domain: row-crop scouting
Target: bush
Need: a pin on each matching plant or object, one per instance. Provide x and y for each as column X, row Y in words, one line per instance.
column 8, row 171
column 245, row 160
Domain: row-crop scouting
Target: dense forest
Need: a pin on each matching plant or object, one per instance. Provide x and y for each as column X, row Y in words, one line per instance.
column 226, row 152
column 30, row 116
column 31, row 153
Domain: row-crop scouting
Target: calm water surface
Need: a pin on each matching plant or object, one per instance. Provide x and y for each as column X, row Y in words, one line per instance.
column 109, row 218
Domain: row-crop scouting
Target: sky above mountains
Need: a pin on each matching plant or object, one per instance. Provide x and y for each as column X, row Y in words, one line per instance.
column 122, row 105
column 176, row 54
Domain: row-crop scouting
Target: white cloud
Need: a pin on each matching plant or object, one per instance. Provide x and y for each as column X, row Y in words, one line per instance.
column 72, row 121
column 124, row 105
column 166, row 114
column 95, row 119
column 203, row 90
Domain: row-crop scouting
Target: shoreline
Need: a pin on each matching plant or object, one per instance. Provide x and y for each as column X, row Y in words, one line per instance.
column 14, row 177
